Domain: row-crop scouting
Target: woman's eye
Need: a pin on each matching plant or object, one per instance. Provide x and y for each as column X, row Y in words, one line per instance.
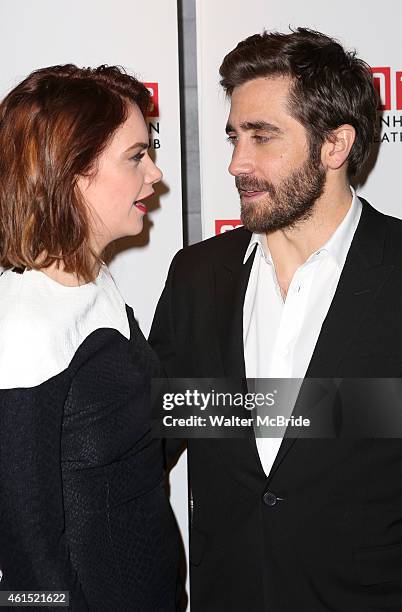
column 138, row 157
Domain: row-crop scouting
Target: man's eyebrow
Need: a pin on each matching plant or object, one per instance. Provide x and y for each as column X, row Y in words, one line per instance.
column 138, row 145
column 255, row 125
column 260, row 125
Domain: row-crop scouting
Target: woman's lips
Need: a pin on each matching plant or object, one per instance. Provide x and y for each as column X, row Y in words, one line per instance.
column 140, row 204
column 141, row 207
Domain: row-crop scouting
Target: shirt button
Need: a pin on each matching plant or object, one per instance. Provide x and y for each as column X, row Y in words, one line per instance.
column 269, row 498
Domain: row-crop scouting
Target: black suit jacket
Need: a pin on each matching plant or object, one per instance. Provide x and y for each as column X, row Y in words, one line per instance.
column 334, row 541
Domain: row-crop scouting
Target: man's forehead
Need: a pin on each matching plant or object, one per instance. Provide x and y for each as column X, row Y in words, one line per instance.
column 261, row 100
column 262, row 86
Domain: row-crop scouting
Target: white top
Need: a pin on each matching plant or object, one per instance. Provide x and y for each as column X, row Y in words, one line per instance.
column 43, row 323
column 280, row 336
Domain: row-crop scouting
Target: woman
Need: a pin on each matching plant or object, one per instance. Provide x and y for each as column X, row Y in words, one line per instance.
column 82, row 502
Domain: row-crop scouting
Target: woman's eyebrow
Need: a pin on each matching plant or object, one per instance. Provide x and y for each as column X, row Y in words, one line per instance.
column 140, row 145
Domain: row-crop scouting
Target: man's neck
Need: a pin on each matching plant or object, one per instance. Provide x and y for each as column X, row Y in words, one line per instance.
column 290, row 248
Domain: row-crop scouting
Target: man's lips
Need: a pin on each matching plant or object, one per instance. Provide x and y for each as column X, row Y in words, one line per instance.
column 250, row 195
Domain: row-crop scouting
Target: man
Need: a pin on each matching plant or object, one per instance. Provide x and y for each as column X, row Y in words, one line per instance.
column 310, row 287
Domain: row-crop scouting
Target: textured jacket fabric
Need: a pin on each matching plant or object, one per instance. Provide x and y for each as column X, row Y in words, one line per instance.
column 82, row 501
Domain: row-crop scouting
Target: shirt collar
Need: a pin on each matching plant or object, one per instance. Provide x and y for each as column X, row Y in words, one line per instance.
column 339, row 243
column 337, row 246
column 262, row 247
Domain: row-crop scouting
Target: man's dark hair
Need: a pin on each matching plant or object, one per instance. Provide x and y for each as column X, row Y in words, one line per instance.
column 330, row 86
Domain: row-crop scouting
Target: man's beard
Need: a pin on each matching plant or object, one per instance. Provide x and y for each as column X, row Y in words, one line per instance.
column 286, row 204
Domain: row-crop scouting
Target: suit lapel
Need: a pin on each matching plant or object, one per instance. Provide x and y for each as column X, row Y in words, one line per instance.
column 362, row 277
column 231, row 321
column 231, row 280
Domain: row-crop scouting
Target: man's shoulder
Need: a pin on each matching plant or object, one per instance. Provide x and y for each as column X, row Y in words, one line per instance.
column 231, row 244
column 388, row 226
column 236, row 238
column 393, row 223
column 390, row 220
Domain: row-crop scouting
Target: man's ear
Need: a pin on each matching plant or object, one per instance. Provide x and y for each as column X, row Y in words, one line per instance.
column 335, row 150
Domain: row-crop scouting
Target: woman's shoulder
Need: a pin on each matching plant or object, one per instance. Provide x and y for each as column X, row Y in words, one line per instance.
column 43, row 324
column 29, row 347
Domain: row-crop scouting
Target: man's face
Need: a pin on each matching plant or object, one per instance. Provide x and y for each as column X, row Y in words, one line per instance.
column 276, row 174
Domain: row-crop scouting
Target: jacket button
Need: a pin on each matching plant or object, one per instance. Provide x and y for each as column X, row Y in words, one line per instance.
column 269, row 498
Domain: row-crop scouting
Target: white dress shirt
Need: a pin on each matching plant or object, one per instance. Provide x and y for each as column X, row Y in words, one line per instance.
column 279, row 336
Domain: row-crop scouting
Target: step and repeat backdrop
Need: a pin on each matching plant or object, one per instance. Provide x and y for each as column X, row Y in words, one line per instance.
column 142, row 37
column 370, row 27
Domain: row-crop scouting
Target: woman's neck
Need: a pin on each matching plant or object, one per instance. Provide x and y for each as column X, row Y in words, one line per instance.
column 57, row 273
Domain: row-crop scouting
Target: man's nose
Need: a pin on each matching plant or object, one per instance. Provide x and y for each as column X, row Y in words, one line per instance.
column 242, row 162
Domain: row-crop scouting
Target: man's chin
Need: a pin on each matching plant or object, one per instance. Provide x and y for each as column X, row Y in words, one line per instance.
column 251, row 214
column 272, row 218
column 255, row 225
column 254, row 222
column 267, row 225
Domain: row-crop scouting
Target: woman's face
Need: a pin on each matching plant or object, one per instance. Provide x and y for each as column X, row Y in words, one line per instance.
column 124, row 177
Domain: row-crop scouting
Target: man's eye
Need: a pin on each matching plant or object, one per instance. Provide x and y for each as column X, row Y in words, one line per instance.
column 232, row 140
column 261, row 139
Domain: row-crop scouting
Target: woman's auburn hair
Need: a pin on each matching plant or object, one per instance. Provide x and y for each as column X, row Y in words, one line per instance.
column 53, row 127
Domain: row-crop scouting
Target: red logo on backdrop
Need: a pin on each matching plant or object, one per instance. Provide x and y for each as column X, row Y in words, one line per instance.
column 386, row 81
column 153, row 89
column 225, row 225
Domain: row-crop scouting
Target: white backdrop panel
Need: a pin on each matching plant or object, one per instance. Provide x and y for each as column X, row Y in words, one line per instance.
column 371, row 28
